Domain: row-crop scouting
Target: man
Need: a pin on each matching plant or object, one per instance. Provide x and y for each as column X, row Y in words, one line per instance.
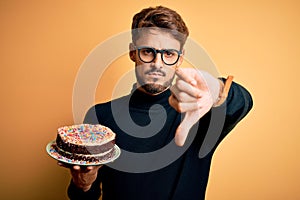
column 158, row 37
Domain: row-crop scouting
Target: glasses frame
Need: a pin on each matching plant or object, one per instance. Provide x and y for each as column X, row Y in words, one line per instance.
column 156, row 51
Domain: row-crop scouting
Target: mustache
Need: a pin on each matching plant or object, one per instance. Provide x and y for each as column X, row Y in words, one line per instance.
column 156, row 71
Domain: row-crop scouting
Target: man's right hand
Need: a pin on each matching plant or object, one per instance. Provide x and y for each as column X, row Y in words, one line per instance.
column 83, row 177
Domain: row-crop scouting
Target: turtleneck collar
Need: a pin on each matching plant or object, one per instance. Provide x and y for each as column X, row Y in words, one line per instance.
column 141, row 99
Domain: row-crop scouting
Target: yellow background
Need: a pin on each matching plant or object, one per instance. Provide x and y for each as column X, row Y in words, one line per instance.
column 43, row 44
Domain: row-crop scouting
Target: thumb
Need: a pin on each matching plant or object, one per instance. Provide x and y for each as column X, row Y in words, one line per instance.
column 184, row 127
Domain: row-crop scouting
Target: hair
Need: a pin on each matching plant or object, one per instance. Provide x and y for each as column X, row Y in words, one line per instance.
column 160, row 17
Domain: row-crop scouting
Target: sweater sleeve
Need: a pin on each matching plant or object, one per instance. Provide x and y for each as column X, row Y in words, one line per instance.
column 238, row 104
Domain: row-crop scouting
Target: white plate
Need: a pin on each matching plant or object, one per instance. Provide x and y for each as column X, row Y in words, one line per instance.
column 50, row 148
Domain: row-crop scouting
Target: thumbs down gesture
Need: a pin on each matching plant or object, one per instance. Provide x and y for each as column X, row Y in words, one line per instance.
column 194, row 93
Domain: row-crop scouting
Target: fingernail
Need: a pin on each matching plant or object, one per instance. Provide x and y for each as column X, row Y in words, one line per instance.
column 193, row 82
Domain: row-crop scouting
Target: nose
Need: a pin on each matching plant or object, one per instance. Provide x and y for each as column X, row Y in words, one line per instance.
column 158, row 61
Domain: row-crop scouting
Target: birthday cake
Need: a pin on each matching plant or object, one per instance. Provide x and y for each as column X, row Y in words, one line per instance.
column 85, row 142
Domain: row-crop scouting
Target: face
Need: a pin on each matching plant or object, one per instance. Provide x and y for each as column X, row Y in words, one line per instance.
column 154, row 77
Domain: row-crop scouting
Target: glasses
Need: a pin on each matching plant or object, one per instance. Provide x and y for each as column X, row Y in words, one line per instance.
column 168, row 56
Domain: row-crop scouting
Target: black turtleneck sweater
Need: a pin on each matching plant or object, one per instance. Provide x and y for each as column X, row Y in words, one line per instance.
column 186, row 177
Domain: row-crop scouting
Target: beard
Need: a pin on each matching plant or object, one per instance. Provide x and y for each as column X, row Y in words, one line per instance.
column 153, row 87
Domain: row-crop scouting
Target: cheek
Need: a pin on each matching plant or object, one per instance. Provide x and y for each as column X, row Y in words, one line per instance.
column 140, row 69
column 170, row 73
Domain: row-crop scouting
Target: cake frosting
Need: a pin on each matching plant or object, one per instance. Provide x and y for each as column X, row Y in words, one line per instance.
column 85, row 142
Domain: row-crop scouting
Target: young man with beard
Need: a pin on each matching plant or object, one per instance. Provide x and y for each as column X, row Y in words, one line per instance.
column 157, row 49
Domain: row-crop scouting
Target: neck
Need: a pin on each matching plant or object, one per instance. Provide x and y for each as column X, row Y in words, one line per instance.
column 140, row 88
column 140, row 98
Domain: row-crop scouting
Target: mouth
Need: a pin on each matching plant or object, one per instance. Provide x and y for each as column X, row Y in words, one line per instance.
column 155, row 74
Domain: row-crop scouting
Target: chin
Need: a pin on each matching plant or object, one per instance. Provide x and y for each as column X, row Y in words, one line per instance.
column 154, row 88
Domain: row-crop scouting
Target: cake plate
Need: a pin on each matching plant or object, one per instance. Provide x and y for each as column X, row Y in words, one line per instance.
column 50, row 148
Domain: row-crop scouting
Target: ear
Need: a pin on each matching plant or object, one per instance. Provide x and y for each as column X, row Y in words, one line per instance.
column 132, row 52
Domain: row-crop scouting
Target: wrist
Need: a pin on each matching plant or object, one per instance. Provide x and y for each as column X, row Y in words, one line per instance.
column 82, row 186
column 223, row 93
column 86, row 188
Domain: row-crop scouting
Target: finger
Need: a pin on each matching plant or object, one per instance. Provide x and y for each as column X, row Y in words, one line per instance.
column 183, row 129
column 76, row 167
column 181, row 135
column 204, row 79
column 64, row 165
column 184, row 97
column 90, row 167
column 60, row 164
column 181, row 96
column 186, row 75
column 180, row 106
column 187, row 107
column 182, row 86
column 173, row 102
column 96, row 167
column 202, row 103
column 85, row 168
column 195, row 77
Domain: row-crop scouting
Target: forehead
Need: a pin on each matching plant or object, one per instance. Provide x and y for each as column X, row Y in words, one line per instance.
column 158, row 39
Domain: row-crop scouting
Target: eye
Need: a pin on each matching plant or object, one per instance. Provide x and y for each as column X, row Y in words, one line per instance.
column 170, row 53
column 147, row 51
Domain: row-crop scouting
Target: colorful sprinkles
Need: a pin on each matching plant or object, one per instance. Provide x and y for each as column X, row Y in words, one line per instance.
column 85, row 133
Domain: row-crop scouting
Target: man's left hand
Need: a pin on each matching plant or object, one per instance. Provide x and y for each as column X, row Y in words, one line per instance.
column 194, row 93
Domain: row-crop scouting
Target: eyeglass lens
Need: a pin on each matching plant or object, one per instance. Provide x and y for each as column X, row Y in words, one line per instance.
column 168, row 56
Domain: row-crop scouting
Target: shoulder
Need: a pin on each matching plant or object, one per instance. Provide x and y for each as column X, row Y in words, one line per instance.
column 98, row 112
column 239, row 98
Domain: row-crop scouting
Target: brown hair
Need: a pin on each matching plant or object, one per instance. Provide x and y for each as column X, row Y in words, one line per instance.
column 160, row 17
